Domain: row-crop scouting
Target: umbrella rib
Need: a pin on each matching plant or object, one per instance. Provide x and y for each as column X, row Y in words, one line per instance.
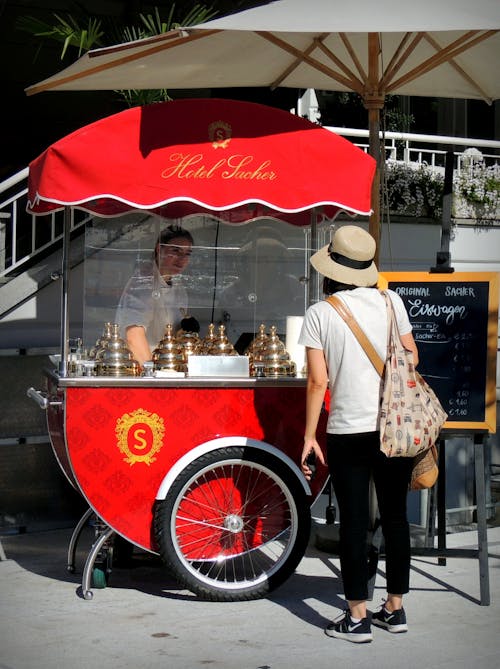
column 446, row 54
column 400, row 57
column 459, row 69
column 116, row 48
column 315, row 43
column 356, row 85
column 38, row 88
column 342, row 65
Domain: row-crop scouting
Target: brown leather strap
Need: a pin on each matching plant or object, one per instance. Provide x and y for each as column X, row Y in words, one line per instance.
column 344, row 311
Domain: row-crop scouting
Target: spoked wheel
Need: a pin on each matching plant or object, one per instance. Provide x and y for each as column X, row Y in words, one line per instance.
column 234, row 525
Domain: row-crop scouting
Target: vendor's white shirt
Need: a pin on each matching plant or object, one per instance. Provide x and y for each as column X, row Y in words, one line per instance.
column 354, row 383
column 150, row 301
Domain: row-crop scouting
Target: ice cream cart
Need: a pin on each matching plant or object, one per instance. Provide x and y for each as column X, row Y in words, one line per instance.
column 196, row 461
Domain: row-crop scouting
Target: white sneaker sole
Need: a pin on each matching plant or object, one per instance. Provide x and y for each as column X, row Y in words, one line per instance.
column 354, row 638
column 394, row 629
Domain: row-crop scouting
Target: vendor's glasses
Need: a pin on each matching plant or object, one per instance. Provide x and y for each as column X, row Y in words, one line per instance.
column 175, row 251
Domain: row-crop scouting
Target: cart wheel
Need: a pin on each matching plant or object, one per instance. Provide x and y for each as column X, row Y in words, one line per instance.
column 234, row 525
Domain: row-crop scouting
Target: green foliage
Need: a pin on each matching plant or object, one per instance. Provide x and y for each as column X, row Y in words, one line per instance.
column 67, row 30
column 153, row 24
column 86, row 32
column 136, row 97
column 394, row 119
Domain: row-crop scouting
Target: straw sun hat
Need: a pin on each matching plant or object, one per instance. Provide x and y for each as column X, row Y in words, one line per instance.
column 348, row 258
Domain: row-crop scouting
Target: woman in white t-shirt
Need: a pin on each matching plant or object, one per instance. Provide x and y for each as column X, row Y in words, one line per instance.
column 336, row 360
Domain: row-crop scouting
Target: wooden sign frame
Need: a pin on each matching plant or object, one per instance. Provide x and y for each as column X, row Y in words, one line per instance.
column 454, row 279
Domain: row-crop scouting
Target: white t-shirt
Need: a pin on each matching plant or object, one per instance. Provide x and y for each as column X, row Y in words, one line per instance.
column 150, row 301
column 354, row 383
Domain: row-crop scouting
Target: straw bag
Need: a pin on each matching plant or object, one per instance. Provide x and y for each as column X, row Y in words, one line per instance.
column 425, row 470
column 411, row 415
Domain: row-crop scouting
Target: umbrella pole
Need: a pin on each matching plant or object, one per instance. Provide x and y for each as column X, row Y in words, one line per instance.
column 374, row 134
column 373, row 100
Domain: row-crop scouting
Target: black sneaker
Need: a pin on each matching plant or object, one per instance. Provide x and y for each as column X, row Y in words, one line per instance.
column 344, row 627
column 394, row 622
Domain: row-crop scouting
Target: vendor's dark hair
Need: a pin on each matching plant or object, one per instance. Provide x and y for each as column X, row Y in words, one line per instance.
column 173, row 232
column 330, row 286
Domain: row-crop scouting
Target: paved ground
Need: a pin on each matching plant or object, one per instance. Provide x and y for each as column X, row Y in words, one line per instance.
column 144, row 620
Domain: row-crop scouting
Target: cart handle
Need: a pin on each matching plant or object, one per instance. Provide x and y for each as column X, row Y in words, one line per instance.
column 42, row 401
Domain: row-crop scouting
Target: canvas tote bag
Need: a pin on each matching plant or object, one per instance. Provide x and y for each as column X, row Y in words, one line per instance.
column 411, row 416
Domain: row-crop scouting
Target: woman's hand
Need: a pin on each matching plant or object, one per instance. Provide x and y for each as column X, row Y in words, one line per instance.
column 137, row 343
column 311, row 446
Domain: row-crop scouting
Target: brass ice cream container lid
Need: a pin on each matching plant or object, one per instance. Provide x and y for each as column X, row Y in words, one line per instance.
column 272, row 358
column 114, row 358
column 101, row 341
column 208, row 341
column 169, row 354
column 258, row 343
column 221, row 345
column 190, row 342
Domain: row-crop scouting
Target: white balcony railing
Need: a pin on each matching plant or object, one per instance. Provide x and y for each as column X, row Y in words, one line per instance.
column 422, row 149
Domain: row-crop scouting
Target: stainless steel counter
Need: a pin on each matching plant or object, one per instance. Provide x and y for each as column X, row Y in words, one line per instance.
column 174, row 382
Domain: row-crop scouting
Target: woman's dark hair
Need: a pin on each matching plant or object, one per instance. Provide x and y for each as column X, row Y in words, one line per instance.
column 173, row 232
column 169, row 233
column 330, row 286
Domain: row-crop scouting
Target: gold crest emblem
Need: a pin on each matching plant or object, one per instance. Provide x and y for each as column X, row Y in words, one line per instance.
column 219, row 133
column 139, row 436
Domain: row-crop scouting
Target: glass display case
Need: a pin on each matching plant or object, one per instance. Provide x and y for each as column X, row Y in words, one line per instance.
column 242, row 277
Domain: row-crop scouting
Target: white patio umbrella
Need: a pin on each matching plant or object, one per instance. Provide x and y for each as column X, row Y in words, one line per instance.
column 444, row 48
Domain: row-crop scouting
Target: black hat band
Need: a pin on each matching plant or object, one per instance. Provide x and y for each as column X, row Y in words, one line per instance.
column 349, row 262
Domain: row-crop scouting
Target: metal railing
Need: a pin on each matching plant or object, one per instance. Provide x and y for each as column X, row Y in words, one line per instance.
column 23, row 236
column 422, row 149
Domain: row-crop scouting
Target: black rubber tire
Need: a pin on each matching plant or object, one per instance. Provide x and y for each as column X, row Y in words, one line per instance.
column 234, row 525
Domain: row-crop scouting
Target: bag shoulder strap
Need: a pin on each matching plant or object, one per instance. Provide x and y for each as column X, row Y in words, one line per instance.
column 344, row 311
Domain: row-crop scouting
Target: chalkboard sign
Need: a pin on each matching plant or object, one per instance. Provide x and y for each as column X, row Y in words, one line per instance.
column 455, row 326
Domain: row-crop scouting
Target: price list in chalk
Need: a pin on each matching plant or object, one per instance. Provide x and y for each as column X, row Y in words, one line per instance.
column 450, row 324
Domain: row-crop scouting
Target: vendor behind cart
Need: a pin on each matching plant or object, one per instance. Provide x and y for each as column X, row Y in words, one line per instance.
column 153, row 296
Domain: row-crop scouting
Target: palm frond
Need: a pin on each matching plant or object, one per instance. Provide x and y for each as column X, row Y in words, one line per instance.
column 141, row 97
column 156, row 26
column 132, row 33
column 85, row 32
column 67, row 30
column 198, row 14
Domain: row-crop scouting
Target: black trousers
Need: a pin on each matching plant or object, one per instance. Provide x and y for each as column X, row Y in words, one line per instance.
column 353, row 459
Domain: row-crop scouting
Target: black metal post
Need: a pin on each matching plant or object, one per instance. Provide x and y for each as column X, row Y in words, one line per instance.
column 443, row 257
column 482, row 530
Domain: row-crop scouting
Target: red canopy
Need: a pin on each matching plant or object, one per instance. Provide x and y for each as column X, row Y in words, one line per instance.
column 239, row 159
